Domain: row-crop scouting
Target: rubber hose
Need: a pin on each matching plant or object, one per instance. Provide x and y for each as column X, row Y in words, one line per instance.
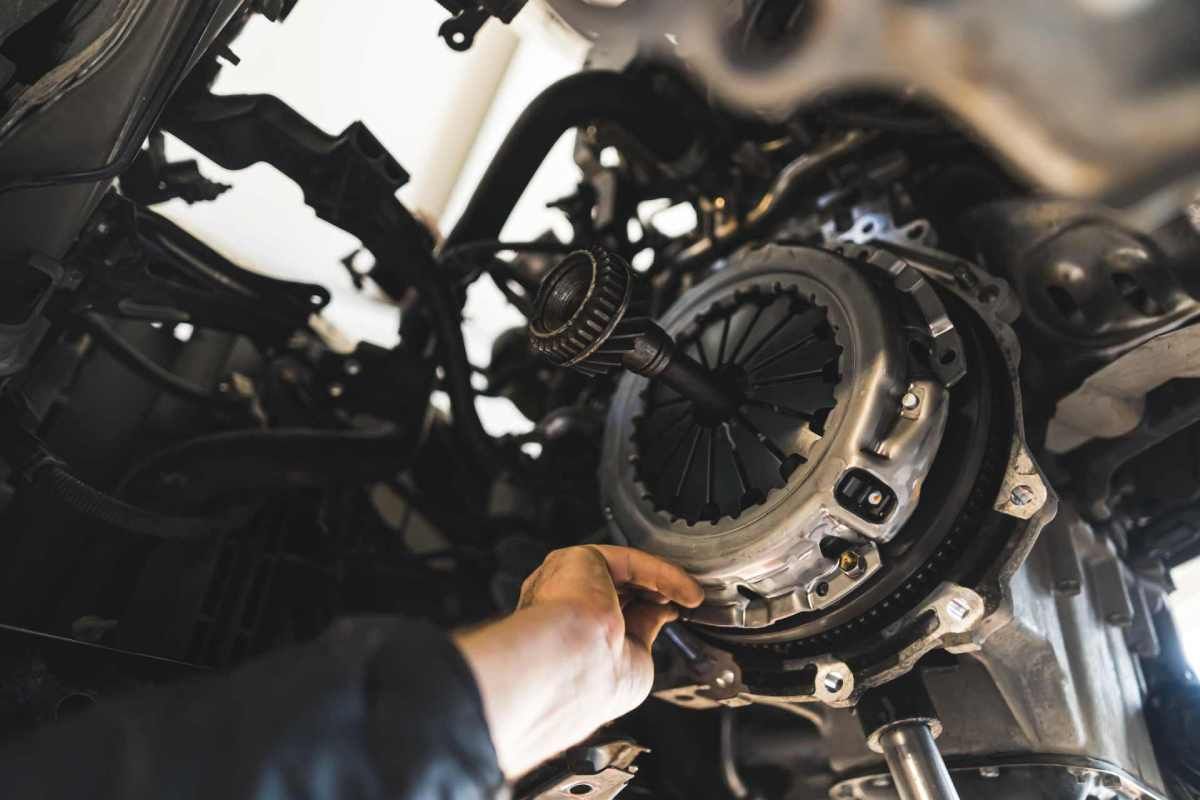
column 97, row 505
column 579, row 99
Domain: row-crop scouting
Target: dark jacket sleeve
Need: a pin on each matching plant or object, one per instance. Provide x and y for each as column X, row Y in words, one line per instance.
column 376, row 708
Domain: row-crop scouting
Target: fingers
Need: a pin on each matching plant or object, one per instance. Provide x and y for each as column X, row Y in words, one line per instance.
column 634, row 567
column 644, row 621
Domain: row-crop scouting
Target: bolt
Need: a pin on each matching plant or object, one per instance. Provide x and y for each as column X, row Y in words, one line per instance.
column 336, row 390
column 833, row 683
column 989, row 772
column 875, row 497
column 881, row 782
column 353, row 367
column 608, row 512
column 725, row 679
column 1022, row 495
column 958, row 608
column 910, row 401
column 851, row 563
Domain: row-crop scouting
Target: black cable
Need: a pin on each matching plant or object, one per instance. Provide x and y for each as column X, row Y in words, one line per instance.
column 143, row 366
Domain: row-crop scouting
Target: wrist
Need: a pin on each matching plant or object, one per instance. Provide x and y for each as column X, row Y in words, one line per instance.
column 547, row 678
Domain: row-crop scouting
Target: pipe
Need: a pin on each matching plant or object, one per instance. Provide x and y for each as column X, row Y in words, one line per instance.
column 579, row 99
column 917, row 768
column 777, row 200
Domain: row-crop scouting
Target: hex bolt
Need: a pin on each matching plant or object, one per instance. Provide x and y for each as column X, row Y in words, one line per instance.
column 833, row 683
column 1022, row 495
column 875, row 497
column 958, row 608
column 989, row 772
column 910, row 401
column 851, row 564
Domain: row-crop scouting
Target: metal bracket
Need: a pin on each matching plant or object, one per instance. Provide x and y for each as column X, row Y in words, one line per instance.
column 470, row 15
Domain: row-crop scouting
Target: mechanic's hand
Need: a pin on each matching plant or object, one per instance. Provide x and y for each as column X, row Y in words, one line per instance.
column 576, row 653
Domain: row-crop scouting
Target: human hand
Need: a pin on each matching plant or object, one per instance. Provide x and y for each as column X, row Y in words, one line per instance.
column 576, row 653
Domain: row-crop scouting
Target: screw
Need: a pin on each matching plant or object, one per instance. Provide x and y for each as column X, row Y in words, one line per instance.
column 851, row 563
column 1022, row 495
column 833, row 683
column 910, row 401
column 875, row 497
column 725, row 679
column 989, row 772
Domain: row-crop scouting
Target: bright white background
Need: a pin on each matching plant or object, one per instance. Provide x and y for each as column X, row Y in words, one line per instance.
column 442, row 115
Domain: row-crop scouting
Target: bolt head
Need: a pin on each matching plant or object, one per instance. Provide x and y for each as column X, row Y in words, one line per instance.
column 850, row 563
column 875, row 497
column 833, row 683
column 910, row 401
column 1022, row 495
column 989, row 772
column 725, row 679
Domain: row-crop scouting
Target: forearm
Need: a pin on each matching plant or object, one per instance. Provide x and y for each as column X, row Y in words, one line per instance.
column 373, row 709
column 543, row 677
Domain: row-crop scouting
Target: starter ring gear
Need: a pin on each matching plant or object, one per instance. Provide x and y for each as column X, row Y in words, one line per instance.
column 859, row 479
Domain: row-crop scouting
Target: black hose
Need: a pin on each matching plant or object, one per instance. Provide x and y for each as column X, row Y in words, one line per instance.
column 579, row 99
column 92, row 503
column 143, row 366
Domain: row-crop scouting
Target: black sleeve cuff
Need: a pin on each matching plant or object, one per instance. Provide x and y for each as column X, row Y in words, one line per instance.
column 427, row 730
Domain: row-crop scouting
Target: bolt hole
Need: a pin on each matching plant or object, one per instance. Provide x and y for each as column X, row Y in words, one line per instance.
column 868, row 227
column 948, row 357
column 73, row 704
column 580, row 789
column 916, row 232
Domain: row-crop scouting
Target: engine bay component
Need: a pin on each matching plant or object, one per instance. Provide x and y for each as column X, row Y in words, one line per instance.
column 825, row 321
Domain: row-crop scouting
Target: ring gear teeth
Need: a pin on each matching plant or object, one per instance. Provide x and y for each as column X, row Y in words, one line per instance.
column 599, row 332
